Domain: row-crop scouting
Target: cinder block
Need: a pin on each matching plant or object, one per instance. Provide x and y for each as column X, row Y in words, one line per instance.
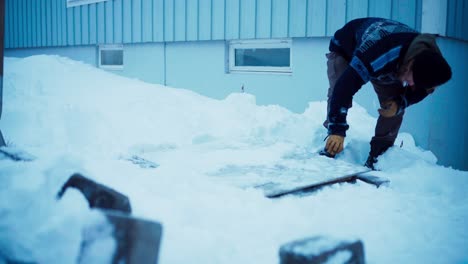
column 137, row 241
column 97, row 195
column 316, row 250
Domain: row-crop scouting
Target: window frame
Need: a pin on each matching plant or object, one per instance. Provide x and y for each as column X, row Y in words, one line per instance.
column 259, row 44
column 73, row 3
column 110, row 47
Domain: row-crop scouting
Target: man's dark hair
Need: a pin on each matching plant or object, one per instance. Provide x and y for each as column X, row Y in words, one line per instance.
column 430, row 69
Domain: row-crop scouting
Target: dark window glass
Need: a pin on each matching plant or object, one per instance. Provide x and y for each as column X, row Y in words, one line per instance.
column 274, row 57
column 112, row 57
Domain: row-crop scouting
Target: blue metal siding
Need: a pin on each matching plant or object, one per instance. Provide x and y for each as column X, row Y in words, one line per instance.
column 44, row 23
column 457, row 19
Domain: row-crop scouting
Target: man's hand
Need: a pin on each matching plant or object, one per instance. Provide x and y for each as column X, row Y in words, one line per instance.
column 334, row 144
column 388, row 109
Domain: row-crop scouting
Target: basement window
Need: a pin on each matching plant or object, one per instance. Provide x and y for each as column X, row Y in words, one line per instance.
column 111, row 57
column 72, row 3
column 260, row 56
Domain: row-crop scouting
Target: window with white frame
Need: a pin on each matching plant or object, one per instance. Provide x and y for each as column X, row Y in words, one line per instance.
column 260, row 56
column 72, row 3
column 111, row 57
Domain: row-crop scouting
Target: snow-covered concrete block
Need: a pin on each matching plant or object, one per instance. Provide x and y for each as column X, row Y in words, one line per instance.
column 319, row 249
column 122, row 239
column 97, row 195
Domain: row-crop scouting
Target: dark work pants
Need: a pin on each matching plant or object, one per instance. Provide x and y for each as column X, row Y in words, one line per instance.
column 386, row 129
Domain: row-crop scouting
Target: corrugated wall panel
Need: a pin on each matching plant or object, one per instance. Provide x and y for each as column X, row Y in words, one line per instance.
column 118, row 21
column 191, row 18
column 54, row 24
column 19, row 12
column 380, row 8
column 92, row 24
column 263, row 19
column 38, row 23
column 109, row 22
column 169, row 20
column 101, row 23
column 180, row 23
column 76, row 26
column 218, row 19
column 404, row 11
column 146, row 21
column 49, row 22
column 136, row 21
column 336, row 15
column 85, row 25
column 248, row 19
column 204, row 19
column 356, row 9
column 127, row 21
column 316, row 18
column 457, row 19
column 280, row 19
column 63, row 22
column 232, row 19
column 298, row 18
column 158, row 20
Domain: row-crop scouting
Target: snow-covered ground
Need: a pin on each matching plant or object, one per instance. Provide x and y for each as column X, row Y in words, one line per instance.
column 76, row 118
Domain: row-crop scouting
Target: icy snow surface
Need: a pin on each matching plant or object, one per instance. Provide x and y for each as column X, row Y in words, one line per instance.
column 208, row 153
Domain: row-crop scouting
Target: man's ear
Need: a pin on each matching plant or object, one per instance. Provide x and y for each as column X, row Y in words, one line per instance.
column 408, row 66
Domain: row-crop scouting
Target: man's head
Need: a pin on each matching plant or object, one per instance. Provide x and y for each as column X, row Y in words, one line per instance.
column 426, row 70
column 430, row 70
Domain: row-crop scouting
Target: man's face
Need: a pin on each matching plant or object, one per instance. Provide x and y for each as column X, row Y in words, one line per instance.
column 406, row 75
column 406, row 78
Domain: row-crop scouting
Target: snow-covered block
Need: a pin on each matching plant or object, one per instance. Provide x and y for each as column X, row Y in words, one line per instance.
column 98, row 195
column 122, row 239
column 320, row 249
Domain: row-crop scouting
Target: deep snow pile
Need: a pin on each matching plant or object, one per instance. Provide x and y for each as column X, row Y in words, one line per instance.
column 74, row 117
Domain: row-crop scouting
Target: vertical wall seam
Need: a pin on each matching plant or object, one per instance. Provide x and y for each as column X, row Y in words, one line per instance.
column 51, row 27
column 97, row 23
column 74, row 26
column 7, row 25
column 185, row 20
column 326, row 18
column 346, row 11
column 89, row 26
column 105, row 21
column 391, row 8
column 20, row 24
column 256, row 17
column 224, row 20
column 211, row 19
column 81, row 25
column 27, row 24
column 173, row 20
column 306, row 28
column 131, row 21
column 288, row 30
column 198, row 19
column 113, row 23
column 164, row 34
column 152, row 20
column 142, row 31
column 46, row 40
column 239, row 21
column 368, row 8
column 122, row 21
column 271, row 18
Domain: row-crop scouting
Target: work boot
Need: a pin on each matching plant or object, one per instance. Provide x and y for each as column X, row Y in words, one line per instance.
column 371, row 160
